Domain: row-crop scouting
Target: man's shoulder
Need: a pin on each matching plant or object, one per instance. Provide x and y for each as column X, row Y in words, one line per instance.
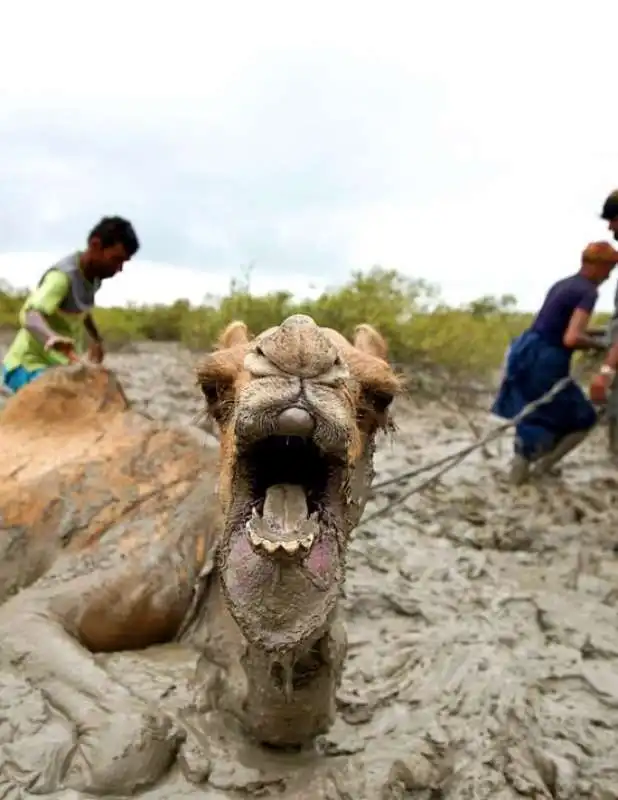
column 67, row 263
column 588, row 287
column 53, row 279
column 577, row 285
column 60, row 271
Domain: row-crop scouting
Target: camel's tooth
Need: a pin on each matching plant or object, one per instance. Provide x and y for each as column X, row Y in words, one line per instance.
column 255, row 540
column 290, row 547
column 307, row 541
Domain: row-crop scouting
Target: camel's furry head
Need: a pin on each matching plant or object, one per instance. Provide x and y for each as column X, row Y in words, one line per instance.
column 298, row 408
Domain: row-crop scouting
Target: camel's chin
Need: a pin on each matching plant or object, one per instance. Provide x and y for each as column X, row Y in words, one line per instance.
column 279, row 603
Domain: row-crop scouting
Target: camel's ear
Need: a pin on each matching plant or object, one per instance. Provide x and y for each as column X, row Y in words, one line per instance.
column 368, row 340
column 235, row 334
column 337, row 339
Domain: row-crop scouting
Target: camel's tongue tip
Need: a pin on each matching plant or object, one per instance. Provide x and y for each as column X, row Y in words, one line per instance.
column 286, row 504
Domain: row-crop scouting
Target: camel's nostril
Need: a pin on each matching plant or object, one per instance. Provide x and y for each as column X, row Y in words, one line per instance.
column 295, row 422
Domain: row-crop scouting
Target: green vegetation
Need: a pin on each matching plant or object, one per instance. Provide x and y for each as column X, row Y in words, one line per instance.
column 420, row 329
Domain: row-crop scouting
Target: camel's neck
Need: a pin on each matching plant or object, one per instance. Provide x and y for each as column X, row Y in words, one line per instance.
column 291, row 700
column 282, row 704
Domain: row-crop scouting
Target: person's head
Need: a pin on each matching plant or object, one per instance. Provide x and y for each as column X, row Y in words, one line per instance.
column 609, row 213
column 598, row 260
column 111, row 243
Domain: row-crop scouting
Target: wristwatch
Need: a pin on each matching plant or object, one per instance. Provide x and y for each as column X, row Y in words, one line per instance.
column 610, row 372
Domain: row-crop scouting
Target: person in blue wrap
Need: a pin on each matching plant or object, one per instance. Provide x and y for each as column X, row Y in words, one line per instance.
column 541, row 356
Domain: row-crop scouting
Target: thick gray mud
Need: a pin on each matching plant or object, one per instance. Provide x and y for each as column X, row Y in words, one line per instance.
column 482, row 625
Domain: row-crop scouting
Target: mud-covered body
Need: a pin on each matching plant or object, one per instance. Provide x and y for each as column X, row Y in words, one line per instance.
column 119, row 533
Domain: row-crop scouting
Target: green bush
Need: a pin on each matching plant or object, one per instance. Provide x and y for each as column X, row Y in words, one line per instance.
column 421, row 330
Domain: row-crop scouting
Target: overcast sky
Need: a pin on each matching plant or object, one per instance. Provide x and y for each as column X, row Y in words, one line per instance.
column 470, row 143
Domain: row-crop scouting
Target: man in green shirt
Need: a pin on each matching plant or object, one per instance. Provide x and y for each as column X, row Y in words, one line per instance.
column 58, row 311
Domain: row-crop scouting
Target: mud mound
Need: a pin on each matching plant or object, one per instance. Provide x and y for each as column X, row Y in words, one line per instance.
column 65, row 397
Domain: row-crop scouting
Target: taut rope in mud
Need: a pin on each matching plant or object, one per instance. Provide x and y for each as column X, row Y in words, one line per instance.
column 448, row 462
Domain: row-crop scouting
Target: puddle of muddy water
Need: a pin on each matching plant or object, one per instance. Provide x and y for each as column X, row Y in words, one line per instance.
column 483, row 642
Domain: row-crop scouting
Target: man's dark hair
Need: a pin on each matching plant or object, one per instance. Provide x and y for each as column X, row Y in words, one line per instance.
column 116, row 230
column 610, row 207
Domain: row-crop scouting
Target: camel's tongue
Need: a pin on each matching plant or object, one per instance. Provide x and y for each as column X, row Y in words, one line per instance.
column 285, row 506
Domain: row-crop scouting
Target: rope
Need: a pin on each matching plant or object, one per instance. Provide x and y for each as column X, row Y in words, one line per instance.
column 449, row 462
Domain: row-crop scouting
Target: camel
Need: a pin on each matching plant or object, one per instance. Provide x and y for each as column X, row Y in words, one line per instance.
column 119, row 533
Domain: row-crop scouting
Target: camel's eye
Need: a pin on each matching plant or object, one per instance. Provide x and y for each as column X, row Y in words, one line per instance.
column 218, row 395
column 210, row 392
column 379, row 400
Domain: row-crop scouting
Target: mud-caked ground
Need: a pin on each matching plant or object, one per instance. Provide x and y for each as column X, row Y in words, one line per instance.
column 482, row 624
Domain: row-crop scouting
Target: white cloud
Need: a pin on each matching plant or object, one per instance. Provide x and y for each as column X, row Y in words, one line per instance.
column 521, row 100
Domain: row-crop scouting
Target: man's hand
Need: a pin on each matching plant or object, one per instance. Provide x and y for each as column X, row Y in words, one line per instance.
column 96, row 353
column 64, row 345
column 599, row 388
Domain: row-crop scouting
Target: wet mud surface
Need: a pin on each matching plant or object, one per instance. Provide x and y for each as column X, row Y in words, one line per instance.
column 482, row 625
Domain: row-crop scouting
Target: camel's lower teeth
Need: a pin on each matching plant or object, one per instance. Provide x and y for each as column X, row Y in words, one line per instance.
column 290, row 547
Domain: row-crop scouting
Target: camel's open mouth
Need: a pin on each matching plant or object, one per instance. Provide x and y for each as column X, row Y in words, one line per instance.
column 289, row 479
column 287, row 460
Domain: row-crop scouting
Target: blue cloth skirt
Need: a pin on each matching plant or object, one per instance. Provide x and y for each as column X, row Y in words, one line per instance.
column 15, row 379
column 532, row 368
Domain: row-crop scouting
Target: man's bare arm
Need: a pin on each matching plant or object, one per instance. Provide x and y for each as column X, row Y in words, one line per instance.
column 577, row 337
column 37, row 325
column 611, row 359
column 45, row 301
column 92, row 329
column 587, row 342
column 603, row 380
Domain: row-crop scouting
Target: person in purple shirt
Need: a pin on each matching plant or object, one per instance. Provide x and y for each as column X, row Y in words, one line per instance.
column 541, row 356
column 604, row 379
